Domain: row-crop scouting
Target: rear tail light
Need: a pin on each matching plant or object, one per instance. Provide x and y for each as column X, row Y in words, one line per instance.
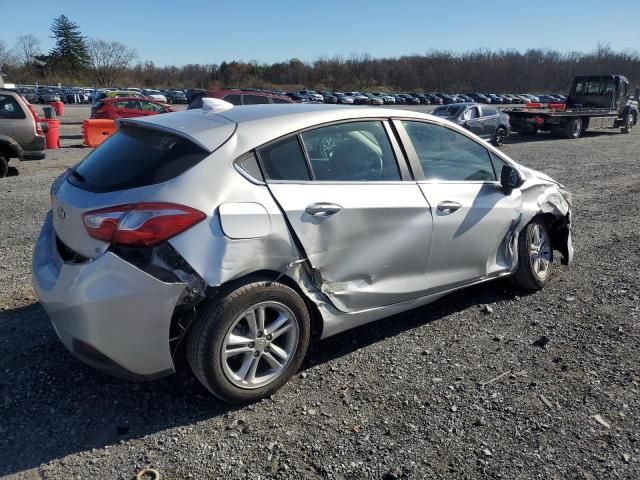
column 140, row 224
column 539, row 120
column 36, row 119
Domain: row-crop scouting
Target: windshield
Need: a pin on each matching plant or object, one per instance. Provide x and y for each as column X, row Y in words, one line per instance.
column 448, row 111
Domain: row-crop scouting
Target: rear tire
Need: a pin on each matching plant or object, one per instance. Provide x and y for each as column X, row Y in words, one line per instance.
column 629, row 122
column 499, row 136
column 534, row 257
column 573, row 128
column 4, row 166
column 228, row 339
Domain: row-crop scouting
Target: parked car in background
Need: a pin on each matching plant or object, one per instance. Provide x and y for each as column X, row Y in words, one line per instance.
column 446, row 99
column 100, row 94
column 358, row 98
column 479, row 97
column 373, row 99
column 530, row 98
column 176, row 96
column 21, row 133
column 386, row 98
column 485, row 121
column 298, row 97
column 240, row 97
column 434, row 99
column 29, row 94
column 312, row 95
column 424, row 100
column 155, row 95
column 127, row 107
column 241, row 234
column 329, row 97
column 48, row 95
column 465, row 98
column 410, row 99
column 343, row 98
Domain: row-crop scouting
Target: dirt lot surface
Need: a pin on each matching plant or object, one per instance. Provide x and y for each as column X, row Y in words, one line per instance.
column 485, row 383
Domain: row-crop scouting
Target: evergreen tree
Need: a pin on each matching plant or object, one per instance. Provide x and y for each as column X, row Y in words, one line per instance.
column 70, row 53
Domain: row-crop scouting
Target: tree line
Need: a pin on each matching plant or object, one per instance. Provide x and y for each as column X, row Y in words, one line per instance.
column 77, row 60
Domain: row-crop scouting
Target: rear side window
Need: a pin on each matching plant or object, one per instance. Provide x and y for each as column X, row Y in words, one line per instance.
column 10, row 108
column 233, row 99
column 255, row 100
column 488, row 111
column 447, row 155
column 284, row 160
column 136, row 157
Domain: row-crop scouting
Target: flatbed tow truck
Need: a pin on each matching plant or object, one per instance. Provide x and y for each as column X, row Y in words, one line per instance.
column 595, row 102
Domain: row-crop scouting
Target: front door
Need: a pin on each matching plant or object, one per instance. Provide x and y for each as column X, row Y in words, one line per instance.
column 472, row 217
column 473, row 122
column 364, row 228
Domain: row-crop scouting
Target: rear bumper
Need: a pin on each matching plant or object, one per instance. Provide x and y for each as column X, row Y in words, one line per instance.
column 34, row 150
column 107, row 312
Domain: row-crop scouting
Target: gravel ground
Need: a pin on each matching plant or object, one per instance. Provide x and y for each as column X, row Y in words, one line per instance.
column 485, row 383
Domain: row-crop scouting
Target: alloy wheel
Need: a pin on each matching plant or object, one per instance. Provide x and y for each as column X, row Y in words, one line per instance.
column 540, row 251
column 259, row 345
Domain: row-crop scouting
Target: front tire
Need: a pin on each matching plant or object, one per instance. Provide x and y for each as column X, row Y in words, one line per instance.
column 573, row 128
column 247, row 343
column 534, row 257
column 629, row 122
column 4, row 166
column 499, row 136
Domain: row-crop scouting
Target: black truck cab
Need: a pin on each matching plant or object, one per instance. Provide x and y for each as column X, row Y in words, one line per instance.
column 595, row 102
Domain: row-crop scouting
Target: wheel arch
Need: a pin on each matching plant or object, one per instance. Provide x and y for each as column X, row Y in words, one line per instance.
column 315, row 316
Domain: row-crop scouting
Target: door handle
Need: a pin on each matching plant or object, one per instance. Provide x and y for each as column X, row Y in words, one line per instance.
column 322, row 209
column 448, row 207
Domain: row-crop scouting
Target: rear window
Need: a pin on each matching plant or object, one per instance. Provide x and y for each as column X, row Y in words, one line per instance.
column 136, row 157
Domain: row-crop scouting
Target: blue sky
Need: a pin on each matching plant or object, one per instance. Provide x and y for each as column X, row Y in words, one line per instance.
column 201, row 31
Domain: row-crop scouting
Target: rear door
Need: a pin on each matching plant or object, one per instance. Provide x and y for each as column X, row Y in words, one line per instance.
column 472, row 217
column 363, row 223
column 490, row 119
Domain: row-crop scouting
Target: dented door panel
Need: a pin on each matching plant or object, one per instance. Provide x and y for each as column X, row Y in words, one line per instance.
column 370, row 246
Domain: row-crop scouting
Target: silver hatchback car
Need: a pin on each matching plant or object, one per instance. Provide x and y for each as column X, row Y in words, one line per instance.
column 244, row 232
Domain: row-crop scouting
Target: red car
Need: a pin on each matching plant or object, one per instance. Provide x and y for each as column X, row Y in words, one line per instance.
column 240, row 97
column 127, row 107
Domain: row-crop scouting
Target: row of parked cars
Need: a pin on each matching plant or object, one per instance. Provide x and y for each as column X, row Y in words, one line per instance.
column 45, row 95
column 414, row 98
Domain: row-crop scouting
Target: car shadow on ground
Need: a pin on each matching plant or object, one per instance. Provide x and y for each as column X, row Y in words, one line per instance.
column 516, row 138
column 54, row 405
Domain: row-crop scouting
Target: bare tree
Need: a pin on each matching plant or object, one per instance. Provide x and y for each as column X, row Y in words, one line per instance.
column 7, row 59
column 109, row 61
column 27, row 47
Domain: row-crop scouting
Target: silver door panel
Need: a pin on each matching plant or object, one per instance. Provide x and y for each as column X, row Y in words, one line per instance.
column 373, row 250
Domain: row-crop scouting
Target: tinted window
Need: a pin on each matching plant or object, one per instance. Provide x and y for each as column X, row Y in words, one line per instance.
column 448, row 155
column 488, row 111
column 233, row 99
column 196, row 103
column 498, row 163
column 284, row 160
column 355, row 151
column 135, row 157
column 151, row 107
column 254, row 99
column 10, row 108
column 471, row 113
column 448, row 111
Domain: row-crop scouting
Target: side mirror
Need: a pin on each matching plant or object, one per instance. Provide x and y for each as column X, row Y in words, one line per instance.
column 509, row 179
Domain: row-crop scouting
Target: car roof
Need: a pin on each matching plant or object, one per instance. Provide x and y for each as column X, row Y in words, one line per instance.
column 259, row 124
